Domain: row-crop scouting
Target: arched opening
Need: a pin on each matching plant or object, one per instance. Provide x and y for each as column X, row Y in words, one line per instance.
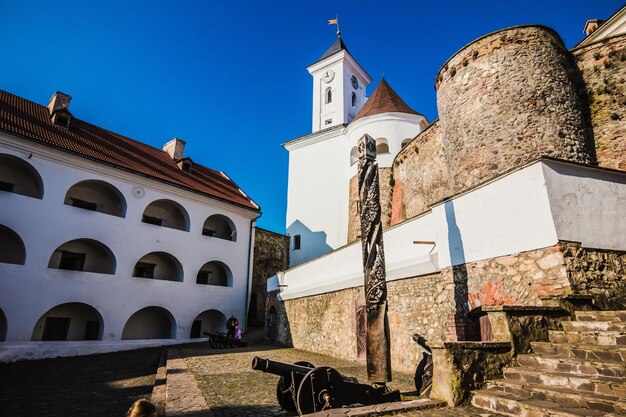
column 382, row 146
column 354, row 100
column 215, row 273
column 150, row 323
column 3, row 326
column 69, row 321
column 166, row 213
column 86, row 255
column 96, row 196
column 354, row 156
column 12, row 249
column 209, row 321
column 159, row 265
column 19, row 177
column 220, row 227
column 406, row 142
column 272, row 323
column 329, row 95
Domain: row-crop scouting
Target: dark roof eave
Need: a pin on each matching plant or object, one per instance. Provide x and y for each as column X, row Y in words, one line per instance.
column 137, row 173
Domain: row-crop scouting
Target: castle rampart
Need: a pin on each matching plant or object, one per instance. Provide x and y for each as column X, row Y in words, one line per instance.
column 506, row 99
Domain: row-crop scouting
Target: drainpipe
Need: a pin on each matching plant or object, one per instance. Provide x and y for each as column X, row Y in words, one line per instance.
column 250, row 262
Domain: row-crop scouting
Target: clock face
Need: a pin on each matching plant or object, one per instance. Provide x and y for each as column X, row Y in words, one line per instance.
column 328, row 76
column 355, row 82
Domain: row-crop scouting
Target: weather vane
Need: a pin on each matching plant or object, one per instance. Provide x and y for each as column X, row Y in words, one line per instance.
column 335, row 21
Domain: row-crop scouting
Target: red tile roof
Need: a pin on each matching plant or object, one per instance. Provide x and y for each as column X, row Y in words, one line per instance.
column 383, row 100
column 30, row 120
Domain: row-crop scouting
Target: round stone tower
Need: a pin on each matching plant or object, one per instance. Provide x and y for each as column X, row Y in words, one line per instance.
column 506, row 99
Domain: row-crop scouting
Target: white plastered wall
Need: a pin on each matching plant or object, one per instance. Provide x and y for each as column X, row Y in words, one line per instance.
column 531, row 208
column 28, row 291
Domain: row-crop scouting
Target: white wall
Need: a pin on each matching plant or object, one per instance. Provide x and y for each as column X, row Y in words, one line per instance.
column 28, row 291
column 317, row 198
column 589, row 206
column 528, row 209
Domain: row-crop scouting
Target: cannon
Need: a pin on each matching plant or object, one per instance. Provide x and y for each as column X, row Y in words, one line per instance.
column 306, row 389
column 222, row 340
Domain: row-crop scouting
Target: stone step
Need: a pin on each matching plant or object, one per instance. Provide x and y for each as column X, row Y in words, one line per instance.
column 562, row 396
column 598, row 353
column 512, row 405
column 618, row 326
column 605, row 385
column 599, row 337
column 572, row 365
column 600, row 315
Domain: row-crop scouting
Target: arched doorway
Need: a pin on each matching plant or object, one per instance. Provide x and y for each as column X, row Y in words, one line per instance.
column 150, row 323
column 272, row 323
column 69, row 321
column 209, row 321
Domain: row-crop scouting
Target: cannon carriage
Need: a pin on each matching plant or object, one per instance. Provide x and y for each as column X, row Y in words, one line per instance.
column 223, row 340
column 306, row 389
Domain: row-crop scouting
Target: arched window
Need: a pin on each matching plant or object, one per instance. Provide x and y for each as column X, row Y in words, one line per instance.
column 382, row 146
column 19, row 177
column 69, row 321
column 166, row 213
column 406, row 142
column 150, row 323
column 329, row 95
column 354, row 156
column 220, row 227
column 353, row 100
column 12, row 250
column 96, row 196
column 209, row 321
column 215, row 273
column 83, row 255
column 159, row 265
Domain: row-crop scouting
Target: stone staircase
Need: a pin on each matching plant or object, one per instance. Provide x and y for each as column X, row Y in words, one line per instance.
column 581, row 371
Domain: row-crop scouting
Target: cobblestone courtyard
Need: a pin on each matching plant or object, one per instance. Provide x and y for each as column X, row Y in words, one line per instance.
column 231, row 388
column 106, row 385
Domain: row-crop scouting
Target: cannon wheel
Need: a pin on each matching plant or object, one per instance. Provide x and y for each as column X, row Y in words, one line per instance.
column 317, row 390
column 283, row 389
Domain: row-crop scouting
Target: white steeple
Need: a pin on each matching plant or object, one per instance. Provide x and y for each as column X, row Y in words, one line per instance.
column 339, row 85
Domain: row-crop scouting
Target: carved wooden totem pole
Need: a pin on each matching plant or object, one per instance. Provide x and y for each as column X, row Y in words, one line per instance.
column 378, row 349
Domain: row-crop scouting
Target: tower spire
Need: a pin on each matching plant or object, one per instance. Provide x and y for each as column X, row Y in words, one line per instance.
column 335, row 21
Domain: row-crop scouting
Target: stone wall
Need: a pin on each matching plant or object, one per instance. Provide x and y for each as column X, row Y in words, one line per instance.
column 603, row 67
column 420, row 175
column 600, row 273
column 507, row 99
column 271, row 254
column 434, row 306
column 327, row 323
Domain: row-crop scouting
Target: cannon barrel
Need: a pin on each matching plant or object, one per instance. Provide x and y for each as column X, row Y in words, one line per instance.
column 278, row 368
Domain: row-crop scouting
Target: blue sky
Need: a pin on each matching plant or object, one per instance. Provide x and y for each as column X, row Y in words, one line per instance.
column 230, row 78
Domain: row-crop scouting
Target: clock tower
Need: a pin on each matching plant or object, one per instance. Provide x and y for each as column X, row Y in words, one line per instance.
column 339, row 85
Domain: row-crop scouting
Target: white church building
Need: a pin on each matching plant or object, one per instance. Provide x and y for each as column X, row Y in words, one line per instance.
column 322, row 163
column 107, row 243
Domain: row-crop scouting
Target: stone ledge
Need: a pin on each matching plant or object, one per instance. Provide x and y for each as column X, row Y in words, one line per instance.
column 475, row 345
column 482, row 310
column 381, row 409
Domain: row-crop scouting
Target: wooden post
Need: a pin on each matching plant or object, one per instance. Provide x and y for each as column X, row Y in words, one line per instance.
column 377, row 341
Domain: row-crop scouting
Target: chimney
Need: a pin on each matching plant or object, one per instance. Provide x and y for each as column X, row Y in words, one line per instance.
column 59, row 109
column 175, row 148
column 59, row 102
column 592, row 25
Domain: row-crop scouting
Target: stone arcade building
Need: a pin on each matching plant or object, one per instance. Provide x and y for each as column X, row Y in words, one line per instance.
column 515, row 196
column 95, row 238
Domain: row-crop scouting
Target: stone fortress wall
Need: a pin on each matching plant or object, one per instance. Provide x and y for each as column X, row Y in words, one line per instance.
column 507, row 99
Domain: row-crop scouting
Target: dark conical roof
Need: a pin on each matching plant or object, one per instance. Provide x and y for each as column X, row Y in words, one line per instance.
column 384, row 100
column 337, row 46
